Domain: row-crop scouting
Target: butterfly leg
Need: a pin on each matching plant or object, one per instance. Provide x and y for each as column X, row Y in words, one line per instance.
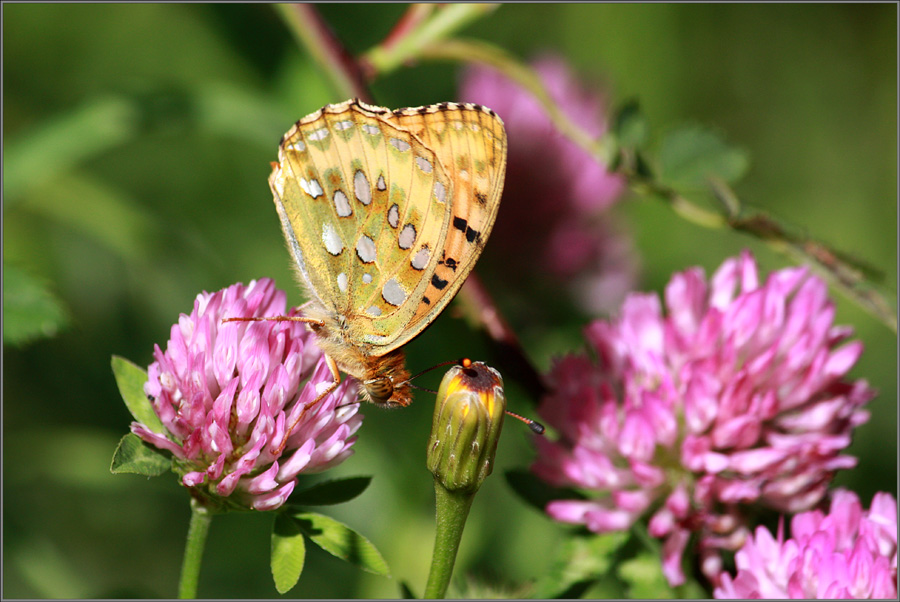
column 332, row 367
column 336, row 375
column 277, row 319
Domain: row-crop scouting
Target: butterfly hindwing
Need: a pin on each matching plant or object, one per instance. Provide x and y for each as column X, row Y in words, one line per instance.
column 401, row 230
column 471, row 143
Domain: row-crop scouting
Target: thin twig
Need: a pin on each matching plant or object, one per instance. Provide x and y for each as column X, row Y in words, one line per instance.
column 386, row 57
column 847, row 275
column 313, row 33
column 478, row 305
column 411, row 19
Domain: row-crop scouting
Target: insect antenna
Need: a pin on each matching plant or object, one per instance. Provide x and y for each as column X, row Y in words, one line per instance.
column 536, row 427
column 463, row 361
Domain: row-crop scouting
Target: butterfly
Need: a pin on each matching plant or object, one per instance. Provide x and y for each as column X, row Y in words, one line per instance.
column 385, row 214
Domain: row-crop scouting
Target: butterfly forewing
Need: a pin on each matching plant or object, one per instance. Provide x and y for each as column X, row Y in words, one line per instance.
column 310, row 215
column 386, row 212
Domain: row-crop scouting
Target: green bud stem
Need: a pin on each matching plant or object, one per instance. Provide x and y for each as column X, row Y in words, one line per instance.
column 468, row 417
column 201, row 517
column 451, row 511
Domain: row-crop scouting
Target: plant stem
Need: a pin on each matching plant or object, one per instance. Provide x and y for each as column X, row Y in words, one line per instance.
column 193, row 550
column 411, row 19
column 313, row 33
column 385, row 58
column 451, row 511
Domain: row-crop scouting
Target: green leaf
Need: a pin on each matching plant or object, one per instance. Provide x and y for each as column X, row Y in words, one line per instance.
column 99, row 210
column 581, row 561
column 340, row 540
column 336, row 491
column 535, row 491
column 288, row 552
column 645, row 578
column 131, row 378
column 689, row 156
column 488, row 588
column 30, row 309
column 237, row 113
column 691, row 590
column 630, row 126
column 81, row 133
column 133, row 456
column 406, row 592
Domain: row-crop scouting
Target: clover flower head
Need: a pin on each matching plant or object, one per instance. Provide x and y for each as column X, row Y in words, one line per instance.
column 228, row 392
column 847, row 553
column 736, row 395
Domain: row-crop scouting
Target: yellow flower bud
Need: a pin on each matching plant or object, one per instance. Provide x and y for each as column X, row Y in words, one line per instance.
column 468, row 416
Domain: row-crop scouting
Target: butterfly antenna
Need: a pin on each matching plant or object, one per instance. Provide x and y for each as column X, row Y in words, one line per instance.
column 536, row 427
column 418, row 388
column 464, row 362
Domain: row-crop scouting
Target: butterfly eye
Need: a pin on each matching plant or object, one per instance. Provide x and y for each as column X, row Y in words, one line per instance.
column 380, row 389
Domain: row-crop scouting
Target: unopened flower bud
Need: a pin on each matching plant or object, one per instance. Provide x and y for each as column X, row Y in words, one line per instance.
column 468, row 416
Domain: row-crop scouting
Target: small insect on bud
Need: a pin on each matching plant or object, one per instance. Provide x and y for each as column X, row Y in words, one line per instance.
column 468, row 416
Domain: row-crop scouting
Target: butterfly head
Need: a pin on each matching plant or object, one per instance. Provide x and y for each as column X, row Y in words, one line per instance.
column 386, row 381
column 384, row 391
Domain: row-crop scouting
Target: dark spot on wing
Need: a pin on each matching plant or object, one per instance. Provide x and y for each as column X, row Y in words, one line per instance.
column 437, row 283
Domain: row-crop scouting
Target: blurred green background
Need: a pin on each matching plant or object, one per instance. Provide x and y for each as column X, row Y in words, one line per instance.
column 137, row 144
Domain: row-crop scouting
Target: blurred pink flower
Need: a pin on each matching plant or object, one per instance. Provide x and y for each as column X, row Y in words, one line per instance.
column 556, row 193
column 226, row 393
column 849, row 553
column 736, row 396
